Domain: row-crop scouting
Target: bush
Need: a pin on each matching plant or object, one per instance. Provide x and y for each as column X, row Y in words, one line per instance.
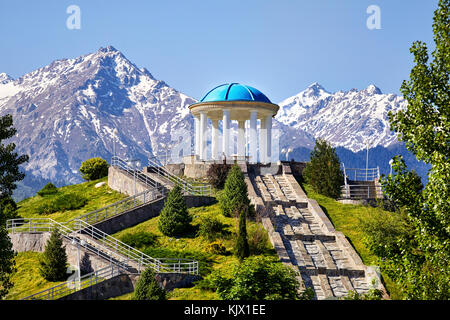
column 217, row 174
column 174, row 219
column 258, row 240
column 93, row 169
column 147, row 288
column 49, row 188
column 234, row 197
column 383, row 231
column 216, row 247
column 323, row 172
column 140, row 239
column 69, row 201
column 53, row 264
column 258, row 278
column 211, row 228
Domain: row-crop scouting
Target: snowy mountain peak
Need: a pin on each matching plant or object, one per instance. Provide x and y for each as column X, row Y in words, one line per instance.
column 5, row 78
column 344, row 119
column 372, row 89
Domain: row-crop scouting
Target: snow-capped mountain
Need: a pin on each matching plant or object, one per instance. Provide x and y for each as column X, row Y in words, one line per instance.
column 347, row 119
column 75, row 109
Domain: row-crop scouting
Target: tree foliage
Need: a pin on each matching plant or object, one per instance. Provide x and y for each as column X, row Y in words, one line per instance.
column 7, row 262
column 53, row 264
column 147, row 288
column 49, row 188
column 323, row 171
column 422, row 268
column 94, row 168
column 174, row 218
column 242, row 247
column 9, row 159
column 234, row 197
column 258, row 278
column 217, row 174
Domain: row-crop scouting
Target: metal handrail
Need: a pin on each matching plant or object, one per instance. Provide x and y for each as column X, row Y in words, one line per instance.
column 74, row 285
column 123, row 205
column 361, row 191
column 40, row 225
column 202, row 190
column 122, row 164
column 118, row 252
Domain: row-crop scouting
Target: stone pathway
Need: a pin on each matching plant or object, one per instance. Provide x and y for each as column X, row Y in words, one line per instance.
column 302, row 241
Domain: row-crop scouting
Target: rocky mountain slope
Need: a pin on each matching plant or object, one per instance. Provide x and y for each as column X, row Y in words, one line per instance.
column 101, row 103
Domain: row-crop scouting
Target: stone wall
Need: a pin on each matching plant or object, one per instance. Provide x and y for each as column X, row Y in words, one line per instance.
column 26, row 241
column 125, row 283
column 146, row 212
column 123, row 183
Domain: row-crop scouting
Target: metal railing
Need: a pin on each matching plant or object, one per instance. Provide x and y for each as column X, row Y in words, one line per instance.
column 123, row 205
column 74, row 285
column 138, row 175
column 198, row 190
column 357, row 174
column 104, row 245
column 361, row 191
column 39, row 225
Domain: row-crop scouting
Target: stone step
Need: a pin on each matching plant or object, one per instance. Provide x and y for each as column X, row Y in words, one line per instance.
column 278, row 190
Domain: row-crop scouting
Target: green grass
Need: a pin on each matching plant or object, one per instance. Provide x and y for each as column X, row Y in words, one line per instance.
column 27, row 279
column 345, row 218
column 192, row 246
column 96, row 199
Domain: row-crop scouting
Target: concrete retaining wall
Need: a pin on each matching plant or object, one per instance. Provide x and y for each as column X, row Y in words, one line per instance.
column 25, row 241
column 125, row 283
column 123, row 183
column 146, row 212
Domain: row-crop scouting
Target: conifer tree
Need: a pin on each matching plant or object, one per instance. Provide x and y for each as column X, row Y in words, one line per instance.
column 234, row 197
column 323, row 171
column 147, row 288
column 174, row 219
column 53, row 264
column 7, row 262
column 242, row 248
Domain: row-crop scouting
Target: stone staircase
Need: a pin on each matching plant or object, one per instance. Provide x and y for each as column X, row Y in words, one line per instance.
column 305, row 239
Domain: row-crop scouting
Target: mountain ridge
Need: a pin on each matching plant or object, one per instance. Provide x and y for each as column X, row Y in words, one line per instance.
column 100, row 103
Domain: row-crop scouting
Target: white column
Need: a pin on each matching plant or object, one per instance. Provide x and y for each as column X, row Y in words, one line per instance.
column 241, row 139
column 203, row 133
column 226, row 132
column 263, row 141
column 215, row 139
column 253, row 139
column 196, row 136
column 269, row 138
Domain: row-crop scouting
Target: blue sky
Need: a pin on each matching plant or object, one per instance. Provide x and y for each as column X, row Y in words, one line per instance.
column 279, row 47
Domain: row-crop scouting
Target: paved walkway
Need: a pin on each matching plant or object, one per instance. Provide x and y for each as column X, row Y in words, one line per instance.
column 305, row 239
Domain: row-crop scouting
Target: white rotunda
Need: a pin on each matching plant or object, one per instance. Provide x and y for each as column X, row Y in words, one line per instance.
column 234, row 102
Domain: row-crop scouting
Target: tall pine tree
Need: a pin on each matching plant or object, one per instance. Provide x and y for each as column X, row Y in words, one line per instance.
column 174, row 219
column 53, row 264
column 242, row 248
column 147, row 288
column 323, row 172
column 234, row 197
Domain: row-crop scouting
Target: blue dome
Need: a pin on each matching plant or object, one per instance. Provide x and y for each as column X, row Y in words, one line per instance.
column 234, row 92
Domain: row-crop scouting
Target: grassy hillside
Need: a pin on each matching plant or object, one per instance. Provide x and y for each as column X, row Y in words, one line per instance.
column 27, row 279
column 345, row 218
column 194, row 247
column 95, row 198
